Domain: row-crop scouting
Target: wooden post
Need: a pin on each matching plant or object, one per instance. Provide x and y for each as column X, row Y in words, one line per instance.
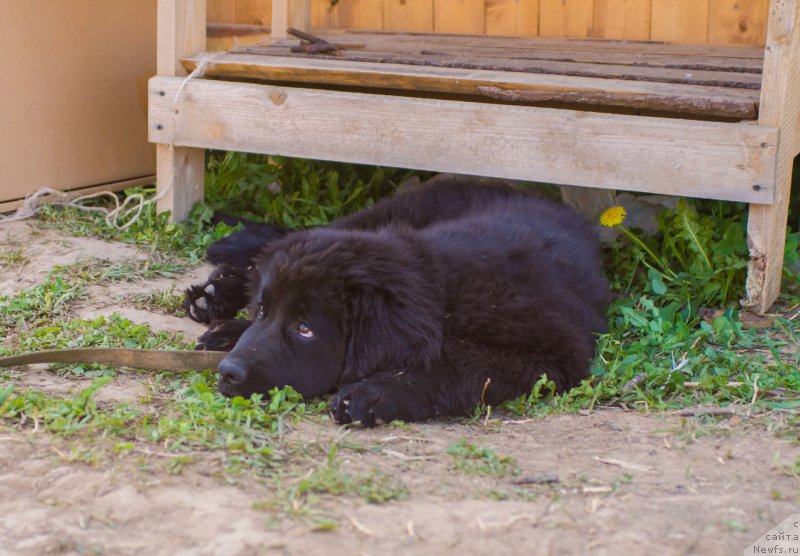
column 290, row 13
column 180, row 171
column 780, row 107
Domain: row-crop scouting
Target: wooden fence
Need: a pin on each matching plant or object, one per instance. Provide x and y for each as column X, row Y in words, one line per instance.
column 684, row 21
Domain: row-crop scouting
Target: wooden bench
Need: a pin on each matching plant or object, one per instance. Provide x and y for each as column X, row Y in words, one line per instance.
column 699, row 121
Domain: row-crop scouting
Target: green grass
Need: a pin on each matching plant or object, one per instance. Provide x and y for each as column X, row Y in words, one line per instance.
column 480, row 460
column 166, row 301
column 13, row 257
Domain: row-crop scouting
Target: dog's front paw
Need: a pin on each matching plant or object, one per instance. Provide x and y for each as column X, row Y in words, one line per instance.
column 222, row 335
column 219, row 298
column 375, row 401
column 356, row 404
column 197, row 301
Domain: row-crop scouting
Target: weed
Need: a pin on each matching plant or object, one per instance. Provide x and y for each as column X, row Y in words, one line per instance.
column 166, row 301
column 13, row 257
column 300, row 499
column 480, row 460
column 295, row 193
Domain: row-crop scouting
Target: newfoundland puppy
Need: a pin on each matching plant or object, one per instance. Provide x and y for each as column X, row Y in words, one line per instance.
column 424, row 305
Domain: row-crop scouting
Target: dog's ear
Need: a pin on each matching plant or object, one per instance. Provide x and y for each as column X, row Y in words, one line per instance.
column 394, row 324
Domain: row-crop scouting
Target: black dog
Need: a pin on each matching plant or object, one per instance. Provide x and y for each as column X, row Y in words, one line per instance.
column 425, row 304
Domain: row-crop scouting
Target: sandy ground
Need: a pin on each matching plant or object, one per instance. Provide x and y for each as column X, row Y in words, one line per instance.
column 625, row 482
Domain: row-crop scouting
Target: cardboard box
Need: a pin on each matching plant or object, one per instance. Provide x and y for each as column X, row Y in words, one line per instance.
column 73, row 103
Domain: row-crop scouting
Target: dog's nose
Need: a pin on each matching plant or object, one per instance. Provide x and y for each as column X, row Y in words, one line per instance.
column 232, row 371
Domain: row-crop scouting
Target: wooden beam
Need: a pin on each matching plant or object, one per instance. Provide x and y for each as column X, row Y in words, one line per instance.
column 659, row 155
column 179, row 171
column 780, row 107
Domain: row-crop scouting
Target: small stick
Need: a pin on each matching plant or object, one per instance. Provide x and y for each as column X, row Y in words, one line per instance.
column 358, row 525
column 692, row 384
column 623, row 464
column 313, row 39
column 538, row 479
column 634, row 382
column 716, row 411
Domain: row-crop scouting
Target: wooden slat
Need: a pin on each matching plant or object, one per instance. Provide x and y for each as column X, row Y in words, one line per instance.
column 512, row 17
column 622, row 19
column 566, row 18
column 222, row 11
column 737, row 21
column 780, row 97
column 734, row 79
column 684, row 21
column 408, row 15
column 574, row 44
column 459, row 16
column 179, row 170
column 358, row 14
column 703, row 101
column 321, row 14
column 660, row 155
column 300, row 14
column 279, row 22
column 254, row 12
column 531, row 50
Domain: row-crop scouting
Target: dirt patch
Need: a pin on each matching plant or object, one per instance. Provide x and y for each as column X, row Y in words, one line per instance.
column 713, row 496
column 606, row 482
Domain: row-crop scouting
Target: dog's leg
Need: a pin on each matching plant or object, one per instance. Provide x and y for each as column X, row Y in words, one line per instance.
column 241, row 248
column 414, row 395
column 222, row 335
column 224, row 293
column 219, row 298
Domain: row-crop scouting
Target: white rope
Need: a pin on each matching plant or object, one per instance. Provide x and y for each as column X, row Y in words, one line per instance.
column 130, row 210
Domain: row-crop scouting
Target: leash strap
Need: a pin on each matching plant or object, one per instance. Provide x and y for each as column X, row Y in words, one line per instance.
column 150, row 359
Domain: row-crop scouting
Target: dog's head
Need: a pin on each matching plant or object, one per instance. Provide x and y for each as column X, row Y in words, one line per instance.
column 331, row 307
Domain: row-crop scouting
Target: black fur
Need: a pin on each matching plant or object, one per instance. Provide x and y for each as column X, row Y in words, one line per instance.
column 423, row 305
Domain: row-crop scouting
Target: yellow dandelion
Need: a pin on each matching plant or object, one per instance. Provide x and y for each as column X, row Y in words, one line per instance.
column 612, row 216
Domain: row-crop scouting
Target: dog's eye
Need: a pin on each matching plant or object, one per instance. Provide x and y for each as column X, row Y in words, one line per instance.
column 304, row 331
column 261, row 310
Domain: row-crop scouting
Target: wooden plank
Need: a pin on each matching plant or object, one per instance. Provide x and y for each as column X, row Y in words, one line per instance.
column 702, row 101
column 300, row 14
column 253, row 12
column 322, row 14
column 606, row 70
column 780, row 98
column 515, row 48
column 359, row 14
column 180, row 171
column 280, row 19
column 566, row 18
column 459, row 16
column 222, row 11
column 659, row 155
column 684, row 21
column 622, row 19
column 408, row 15
column 545, row 43
column 512, row 17
column 737, row 21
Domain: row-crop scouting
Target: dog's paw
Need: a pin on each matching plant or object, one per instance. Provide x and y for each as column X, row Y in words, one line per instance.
column 197, row 302
column 222, row 335
column 375, row 401
column 219, row 298
column 358, row 404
